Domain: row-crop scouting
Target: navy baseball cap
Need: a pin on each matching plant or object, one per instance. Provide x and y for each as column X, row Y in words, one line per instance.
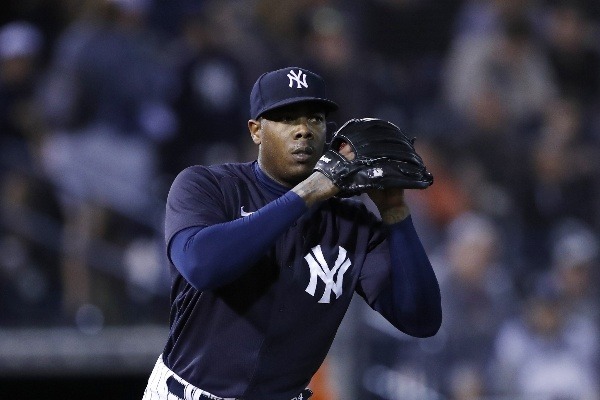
column 287, row 86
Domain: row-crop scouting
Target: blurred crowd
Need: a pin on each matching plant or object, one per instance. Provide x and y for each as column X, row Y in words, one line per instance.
column 103, row 102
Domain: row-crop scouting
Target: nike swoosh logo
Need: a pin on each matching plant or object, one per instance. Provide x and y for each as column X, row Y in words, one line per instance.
column 244, row 213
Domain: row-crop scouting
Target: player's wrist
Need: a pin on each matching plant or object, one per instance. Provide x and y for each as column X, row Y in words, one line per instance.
column 317, row 187
column 395, row 215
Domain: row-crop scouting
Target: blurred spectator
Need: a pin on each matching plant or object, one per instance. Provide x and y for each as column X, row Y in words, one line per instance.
column 547, row 352
column 31, row 282
column 281, row 24
column 20, row 46
column 211, row 110
column 106, row 103
column 573, row 53
column 404, row 44
column 505, row 69
column 328, row 46
column 498, row 85
column 564, row 183
column 466, row 382
column 486, row 17
column 30, row 217
column 108, row 69
column 238, row 28
column 477, row 293
column 106, row 93
column 574, row 268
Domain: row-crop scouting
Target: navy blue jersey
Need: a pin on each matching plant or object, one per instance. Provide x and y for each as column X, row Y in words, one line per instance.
column 264, row 335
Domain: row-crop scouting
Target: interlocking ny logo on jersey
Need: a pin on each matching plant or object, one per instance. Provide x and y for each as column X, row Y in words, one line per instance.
column 319, row 269
column 299, row 78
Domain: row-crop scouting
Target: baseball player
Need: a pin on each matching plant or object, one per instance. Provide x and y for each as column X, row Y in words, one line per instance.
column 265, row 257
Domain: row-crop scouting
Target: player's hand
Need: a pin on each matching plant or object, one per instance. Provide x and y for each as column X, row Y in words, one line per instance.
column 390, row 203
column 346, row 150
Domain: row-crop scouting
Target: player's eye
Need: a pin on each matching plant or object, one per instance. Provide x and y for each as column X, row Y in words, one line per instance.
column 317, row 118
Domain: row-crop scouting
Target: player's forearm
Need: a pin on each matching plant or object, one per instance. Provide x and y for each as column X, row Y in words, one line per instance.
column 216, row 255
column 412, row 301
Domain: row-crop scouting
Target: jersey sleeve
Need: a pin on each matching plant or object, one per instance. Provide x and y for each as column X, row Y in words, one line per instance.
column 195, row 199
column 376, row 272
column 398, row 281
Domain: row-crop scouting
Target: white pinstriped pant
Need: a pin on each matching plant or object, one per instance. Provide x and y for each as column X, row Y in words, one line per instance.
column 157, row 388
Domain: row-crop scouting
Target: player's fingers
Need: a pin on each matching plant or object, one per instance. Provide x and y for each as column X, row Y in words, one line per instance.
column 346, row 150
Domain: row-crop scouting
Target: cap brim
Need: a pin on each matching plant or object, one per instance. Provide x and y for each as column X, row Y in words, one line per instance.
column 327, row 105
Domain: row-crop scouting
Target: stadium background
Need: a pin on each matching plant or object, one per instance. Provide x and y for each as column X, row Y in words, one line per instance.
column 102, row 102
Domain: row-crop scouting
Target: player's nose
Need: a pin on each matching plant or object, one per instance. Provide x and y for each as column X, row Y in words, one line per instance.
column 304, row 130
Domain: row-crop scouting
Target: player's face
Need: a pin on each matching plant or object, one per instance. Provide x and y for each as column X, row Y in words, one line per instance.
column 290, row 140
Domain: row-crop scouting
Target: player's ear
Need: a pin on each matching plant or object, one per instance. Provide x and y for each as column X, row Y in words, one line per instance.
column 255, row 131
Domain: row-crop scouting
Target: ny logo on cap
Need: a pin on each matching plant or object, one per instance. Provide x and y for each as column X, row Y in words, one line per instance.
column 299, row 78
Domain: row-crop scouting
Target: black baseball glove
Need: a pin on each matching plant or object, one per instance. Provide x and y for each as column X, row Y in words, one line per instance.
column 384, row 158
